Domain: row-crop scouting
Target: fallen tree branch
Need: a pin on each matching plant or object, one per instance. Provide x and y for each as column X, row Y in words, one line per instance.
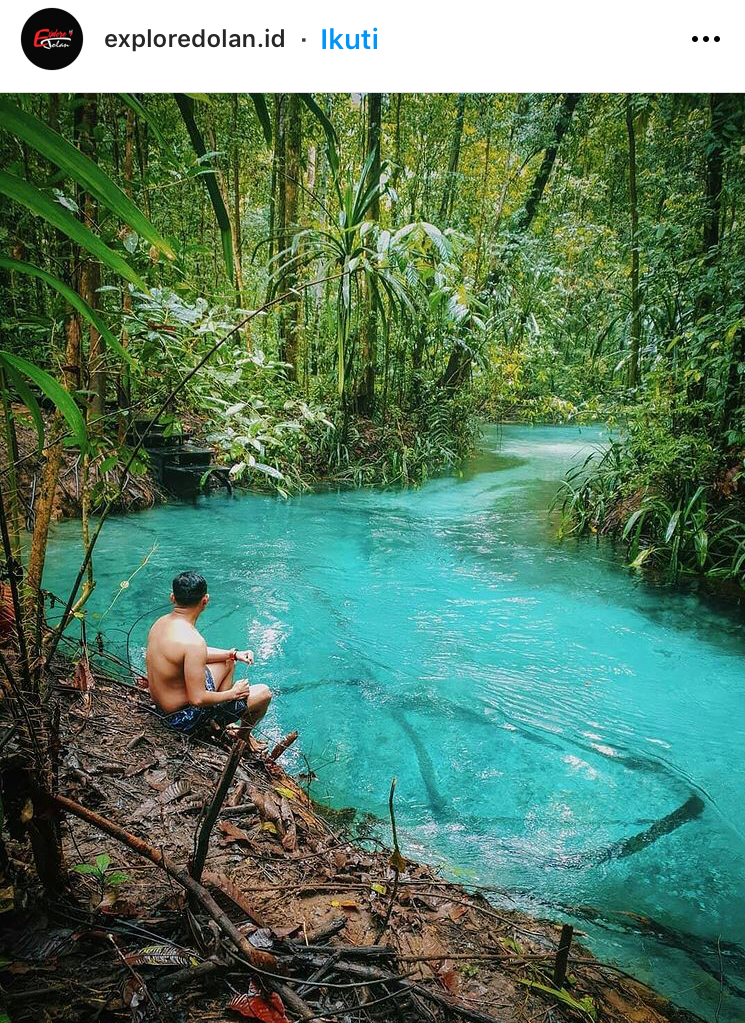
column 374, row 974
column 283, row 746
column 262, row 961
column 189, row 975
column 202, row 839
column 397, row 862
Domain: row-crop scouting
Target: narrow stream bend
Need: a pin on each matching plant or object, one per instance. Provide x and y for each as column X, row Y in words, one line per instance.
column 558, row 727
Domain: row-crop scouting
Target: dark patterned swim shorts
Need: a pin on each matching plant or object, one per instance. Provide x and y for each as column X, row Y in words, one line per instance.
column 190, row 718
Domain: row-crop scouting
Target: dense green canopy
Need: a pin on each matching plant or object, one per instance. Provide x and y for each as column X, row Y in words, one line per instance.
column 403, row 263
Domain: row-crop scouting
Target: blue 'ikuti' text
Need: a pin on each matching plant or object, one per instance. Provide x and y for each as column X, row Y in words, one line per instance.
column 349, row 41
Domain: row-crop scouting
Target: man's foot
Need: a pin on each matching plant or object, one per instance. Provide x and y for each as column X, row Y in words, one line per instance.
column 234, row 732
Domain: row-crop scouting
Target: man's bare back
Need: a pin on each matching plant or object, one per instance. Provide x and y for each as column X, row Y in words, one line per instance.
column 170, row 641
column 190, row 682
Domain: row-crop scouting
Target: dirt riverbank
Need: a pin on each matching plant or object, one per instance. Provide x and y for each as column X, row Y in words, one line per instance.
column 308, row 892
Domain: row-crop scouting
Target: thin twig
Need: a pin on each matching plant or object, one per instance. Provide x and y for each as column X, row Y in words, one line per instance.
column 256, row 958
column 397, row 861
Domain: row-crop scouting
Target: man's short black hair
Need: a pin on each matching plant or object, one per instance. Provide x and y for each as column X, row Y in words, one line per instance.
column 189, row 588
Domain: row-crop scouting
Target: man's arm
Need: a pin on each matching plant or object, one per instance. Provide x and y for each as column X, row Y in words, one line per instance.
column 195, row 662
column 216, row 654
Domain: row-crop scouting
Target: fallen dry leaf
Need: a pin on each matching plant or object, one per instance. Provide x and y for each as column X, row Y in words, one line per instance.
column 233, row 833
column 223, row 884
column 254, row 1005
column 344, row 904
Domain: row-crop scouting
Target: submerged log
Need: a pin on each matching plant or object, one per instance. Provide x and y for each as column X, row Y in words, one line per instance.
column 688, row 811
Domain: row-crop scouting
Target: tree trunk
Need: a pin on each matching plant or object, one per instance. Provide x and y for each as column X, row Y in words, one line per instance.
column 278, row 210
column 276, row 131
column 530, row 207
column 632, row 376
column 124, row 394
column 48, row 488
column 722, row 106
column 714, row 180
column 446, row 206
column 291, row 314
column 237, row 241
column 90, row 272
column 370, row 325
column 15, row 523
column 484, row 193
column 396, row 175
column 459, row 362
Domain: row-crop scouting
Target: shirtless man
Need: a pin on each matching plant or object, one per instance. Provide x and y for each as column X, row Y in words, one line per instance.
column 190, row 682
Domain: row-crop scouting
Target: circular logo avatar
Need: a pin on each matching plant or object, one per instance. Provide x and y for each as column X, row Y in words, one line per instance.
column 52, row 38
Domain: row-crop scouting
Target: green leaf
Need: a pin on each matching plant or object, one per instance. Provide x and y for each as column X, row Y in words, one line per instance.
column 81, row 168
column 185, row 104
column 116, row 878
column 642, row 557
column 30, row 197
column 584, row 1005
column 62, row 401
column 27, row 397
column 263, row 115
column 321, row 117
column 73, row 298
column 102, row 862
column 631, row 520
column 268, row 470
column 671, row 525
column 84, row 868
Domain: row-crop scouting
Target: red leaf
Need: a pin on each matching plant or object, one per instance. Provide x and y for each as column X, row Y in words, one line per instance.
column 254, row 1005
column 449, row 976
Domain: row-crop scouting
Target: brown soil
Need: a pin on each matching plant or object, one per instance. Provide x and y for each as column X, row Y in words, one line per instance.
column 288, row 875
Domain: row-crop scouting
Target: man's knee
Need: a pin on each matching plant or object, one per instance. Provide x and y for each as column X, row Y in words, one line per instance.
column 261, row 694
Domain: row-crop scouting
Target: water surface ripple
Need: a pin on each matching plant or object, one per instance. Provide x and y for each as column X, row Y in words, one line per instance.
column 558, row 728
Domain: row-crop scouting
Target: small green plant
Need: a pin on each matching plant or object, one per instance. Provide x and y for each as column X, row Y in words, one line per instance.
column 106, row 880
column 585, row 1006
column 468, row 970
column 667, row 492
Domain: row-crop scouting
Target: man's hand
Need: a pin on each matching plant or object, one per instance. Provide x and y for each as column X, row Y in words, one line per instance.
column 244, row 656
column 240, row 690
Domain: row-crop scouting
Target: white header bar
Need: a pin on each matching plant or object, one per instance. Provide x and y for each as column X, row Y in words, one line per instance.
column 453, row 46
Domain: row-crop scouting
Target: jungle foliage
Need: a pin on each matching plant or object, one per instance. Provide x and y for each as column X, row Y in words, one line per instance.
column 337, row 287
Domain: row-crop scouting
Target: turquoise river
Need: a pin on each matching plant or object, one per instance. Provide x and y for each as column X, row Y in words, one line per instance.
column 560, row 729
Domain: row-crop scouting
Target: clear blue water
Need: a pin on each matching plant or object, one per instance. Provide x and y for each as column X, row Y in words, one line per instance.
column 537, row 702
